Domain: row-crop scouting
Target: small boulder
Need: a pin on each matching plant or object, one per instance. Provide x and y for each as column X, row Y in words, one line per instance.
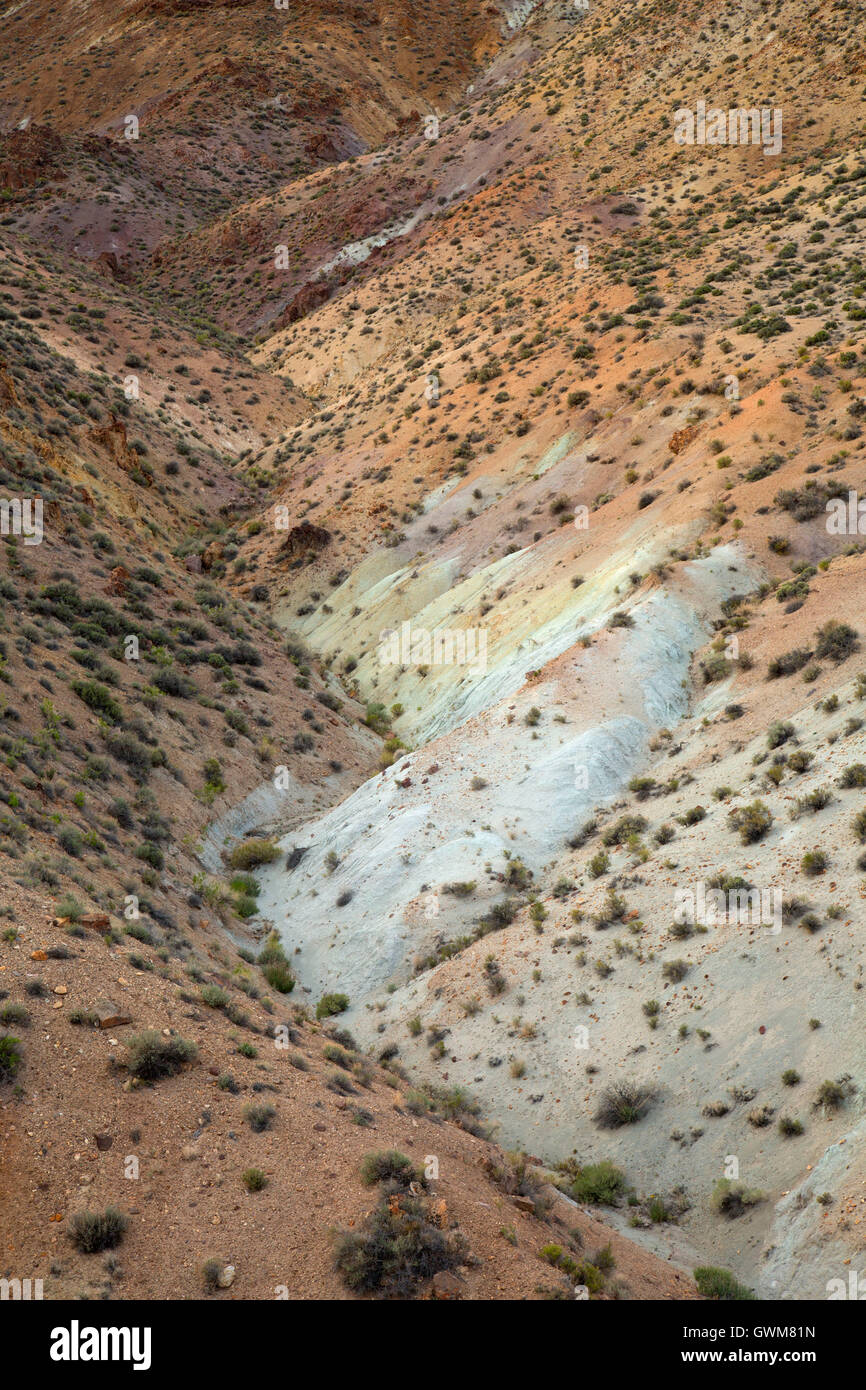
column 108, row 1015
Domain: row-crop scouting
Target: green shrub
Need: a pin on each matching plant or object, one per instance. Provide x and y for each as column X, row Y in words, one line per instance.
column 831, row 1095
column 214, row 996
column 732, row 1199
column 752, row 821
column 598, row 1183
column 253, row 1179
column 779, row 732
column 814, row 862
column 10, row 1057
column 388, row 1165
column 789, row 1128
column 623, row 830
column 279, row 976
column 259, row 1117
column 598, row 864
column 331, row 1004
column 151, row 854
column 787, row 664
column 622, row 1103
column 675, row 970
column 152, row 1056
column 70, row 840
column 251, row 853
column 835, row 641
column 14, row 1014
column 395, row 1249
column 99, row 698
column 93, row 1231
column 720, row 1284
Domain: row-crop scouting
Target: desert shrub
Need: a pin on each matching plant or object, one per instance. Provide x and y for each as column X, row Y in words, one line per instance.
column 853, row 776
column 70, row 840
column 210, row 1275
column 10, row 1057
column 642, row 787
column 858, row 825
column 100, row 699
column 14, row 1015
column 70, row 907
column 152, row 1056
column 779, row 732
column 731, row 1199
column 275, row 966
column 338, row 1055
column 720, row 1284
column 92, row 1231
column 459, row 890
column 214, row 996
column 598, row 864
column 259, row 1117
column 622, row 1103
column 140, row 931
column 517, row 1175
column 396, row 1248
column 251, row 853
column 715, row 668
column 279, row 976
column 760, row 1117
column 788, row 663
column 598, row 1183
column 340, row 1084
column 253, row 1179
column 789, row 1128
column 623, row 829
column 831, row 1095
column 751, row 821
column 388, row 1165
column 579, row 840
column 835, row 641
column 800, row 760
column 151, row 854
column 171, row 682
column 331, row 1004
column 814, row 801
column 814, row 862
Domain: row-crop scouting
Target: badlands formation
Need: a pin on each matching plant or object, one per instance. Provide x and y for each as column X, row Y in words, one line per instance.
column 487, row 511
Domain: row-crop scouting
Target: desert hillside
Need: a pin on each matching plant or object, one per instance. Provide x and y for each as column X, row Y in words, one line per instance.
column 433, row 706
